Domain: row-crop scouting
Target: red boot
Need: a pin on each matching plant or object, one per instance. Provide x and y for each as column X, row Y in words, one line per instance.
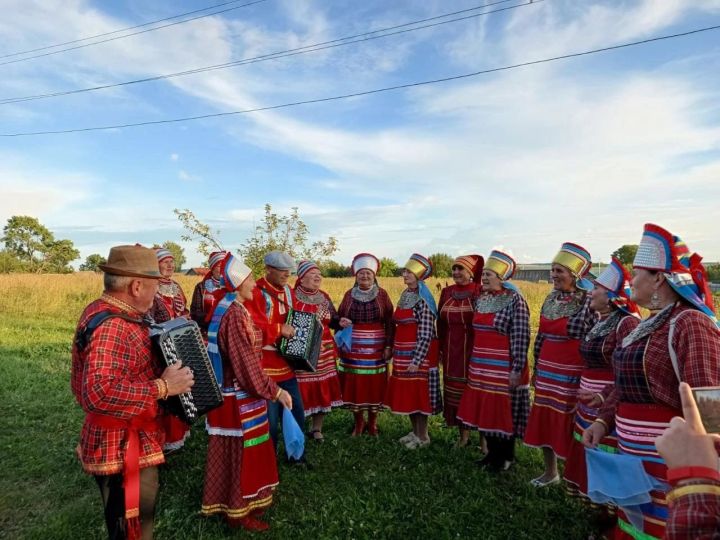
column 359, row 424
column 372, row 424
column 248, row 523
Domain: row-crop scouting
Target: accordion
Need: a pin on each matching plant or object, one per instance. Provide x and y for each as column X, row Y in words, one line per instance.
column 303, row 349
column 180, row 339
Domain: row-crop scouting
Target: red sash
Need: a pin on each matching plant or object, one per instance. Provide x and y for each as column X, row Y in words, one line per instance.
column 131, row 461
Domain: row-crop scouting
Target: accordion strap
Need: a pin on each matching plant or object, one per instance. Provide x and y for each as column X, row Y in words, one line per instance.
column 83, row 335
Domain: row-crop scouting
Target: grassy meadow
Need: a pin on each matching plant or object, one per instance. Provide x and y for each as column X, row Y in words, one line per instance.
column 358, row 487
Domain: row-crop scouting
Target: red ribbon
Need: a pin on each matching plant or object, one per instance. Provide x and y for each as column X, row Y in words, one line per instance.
column 131, row 462
column 699, row 277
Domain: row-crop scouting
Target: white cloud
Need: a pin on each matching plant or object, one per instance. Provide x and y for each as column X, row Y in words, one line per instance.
column 174, row 157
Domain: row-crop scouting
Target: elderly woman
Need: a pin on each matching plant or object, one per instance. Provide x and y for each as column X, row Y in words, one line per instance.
column 565, row 319
column 367, row 309
column 679, row 342
column 170, row 303
column 455, row 334
column 496, row 400
column 414, row 386
column 206, row 292
column 610, row 299
column 320, row 390
column 241, row 470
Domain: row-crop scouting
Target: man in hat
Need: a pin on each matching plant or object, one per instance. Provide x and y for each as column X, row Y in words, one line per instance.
column 116, row 381
column 272, row 300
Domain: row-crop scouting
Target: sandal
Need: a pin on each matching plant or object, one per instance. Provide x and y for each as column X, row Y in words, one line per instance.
column 539, row 482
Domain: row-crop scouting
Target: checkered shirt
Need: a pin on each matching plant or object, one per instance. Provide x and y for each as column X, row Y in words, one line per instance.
column 694, row 516
column 696, row 342
column 114, row 375
column 514, row 322
column 425, row 331
column 240, row 343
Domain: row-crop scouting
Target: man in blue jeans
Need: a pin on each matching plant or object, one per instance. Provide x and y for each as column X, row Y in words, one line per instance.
column 272, row 300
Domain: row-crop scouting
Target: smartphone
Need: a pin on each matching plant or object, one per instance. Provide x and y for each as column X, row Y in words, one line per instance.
column 708, row 403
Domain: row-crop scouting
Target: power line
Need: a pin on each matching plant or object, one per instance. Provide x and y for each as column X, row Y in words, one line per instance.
column 121, row 29
column 369, row 92
column 131, row 34
column 339, row 42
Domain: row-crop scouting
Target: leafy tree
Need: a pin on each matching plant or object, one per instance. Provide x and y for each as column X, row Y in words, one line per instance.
column 713, row 272
column 388, row 268
column 442, row 264
column 92, row 263
column 626, row 253
column 9, row 262
column 57, row 257
column 334, row 269
column 283, row 233
column 26, row 238
column 178, row 254
column 35, row 246
column 207, row 238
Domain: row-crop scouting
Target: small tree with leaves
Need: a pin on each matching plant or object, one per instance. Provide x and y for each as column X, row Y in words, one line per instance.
column 626, row 254
column 388, row 268
column 334, row 269
column 284, row 233
column 92, row 263
column 442, row 264
column 178, row 254
column 197, row 231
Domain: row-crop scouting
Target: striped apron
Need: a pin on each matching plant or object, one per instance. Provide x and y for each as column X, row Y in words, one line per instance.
column 557, row 380
column 363, row 372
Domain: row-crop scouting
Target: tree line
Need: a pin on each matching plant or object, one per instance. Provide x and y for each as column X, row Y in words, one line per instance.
column 32, row 247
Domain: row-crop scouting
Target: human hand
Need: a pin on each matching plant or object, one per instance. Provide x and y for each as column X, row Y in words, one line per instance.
column 685, row 443
column 387, row 353
column 412, row 368
column 345, row 322
column 513, row 380
column 591, row 399
column 285, row 399
column 179, row 379
column 287, row 331
column 593, row 434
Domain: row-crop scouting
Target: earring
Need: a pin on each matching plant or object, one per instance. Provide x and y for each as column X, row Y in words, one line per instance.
column 655, row 301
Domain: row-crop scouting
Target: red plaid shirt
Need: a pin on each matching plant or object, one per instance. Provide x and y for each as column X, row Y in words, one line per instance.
column 696, row 342
column 114, row 375
column 379, row 310
column 694, row 516
column 240, row 343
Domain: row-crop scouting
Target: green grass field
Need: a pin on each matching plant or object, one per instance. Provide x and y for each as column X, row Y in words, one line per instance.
column 358, row 488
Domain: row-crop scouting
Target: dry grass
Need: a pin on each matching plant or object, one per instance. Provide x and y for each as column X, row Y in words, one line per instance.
column 67, row 294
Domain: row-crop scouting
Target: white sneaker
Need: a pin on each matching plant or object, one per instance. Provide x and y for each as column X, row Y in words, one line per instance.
column 407, row 438
column 417, row 443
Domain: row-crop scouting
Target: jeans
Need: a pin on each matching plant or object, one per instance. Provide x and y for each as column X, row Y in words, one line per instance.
column 275, row 409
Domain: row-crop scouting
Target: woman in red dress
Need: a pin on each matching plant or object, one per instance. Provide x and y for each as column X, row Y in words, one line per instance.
column 241, row 469
column 565, row 318
column 367, row 311
column 619, row 315
column 206, row 293
column 170, row 303
column 414, row 385
column 320, row 389
column 496, row 400
column 455, row 334
column 679, row 342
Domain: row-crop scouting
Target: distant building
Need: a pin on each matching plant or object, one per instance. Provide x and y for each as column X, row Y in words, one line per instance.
column 541, row 272
column 198, row 271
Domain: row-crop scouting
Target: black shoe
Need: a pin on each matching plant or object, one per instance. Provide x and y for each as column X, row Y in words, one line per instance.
column 302, row 463
column 486, row 462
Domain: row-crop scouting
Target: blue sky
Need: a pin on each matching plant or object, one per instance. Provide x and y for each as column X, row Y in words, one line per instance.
column 583, row 150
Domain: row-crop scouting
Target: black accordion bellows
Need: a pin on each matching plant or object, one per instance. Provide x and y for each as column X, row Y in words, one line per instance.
column 180, row 339
column 303, row 350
